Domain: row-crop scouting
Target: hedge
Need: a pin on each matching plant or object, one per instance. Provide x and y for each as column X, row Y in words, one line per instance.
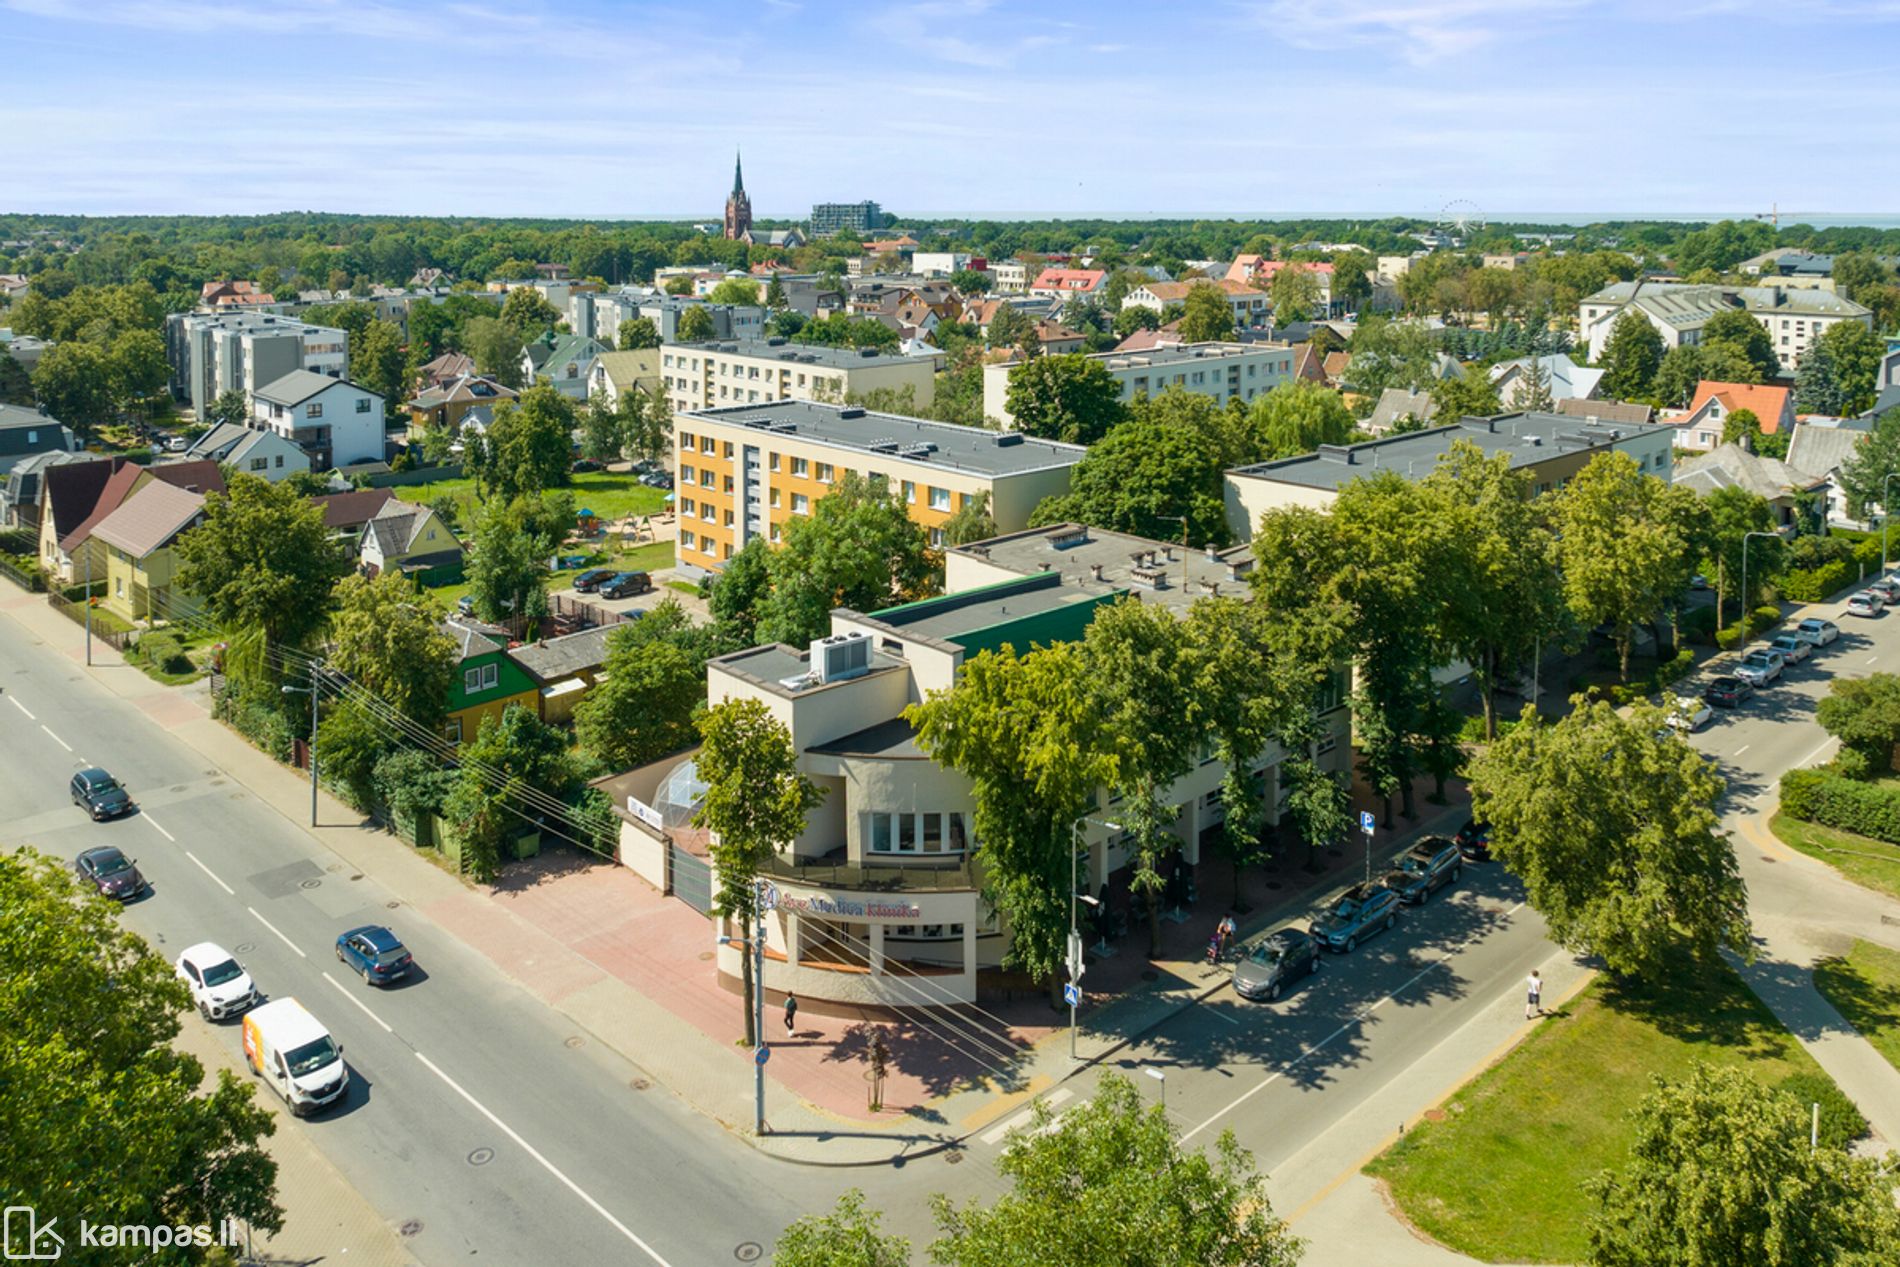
column 1841, row 1120
column 1833, row 800
column 1811, row 586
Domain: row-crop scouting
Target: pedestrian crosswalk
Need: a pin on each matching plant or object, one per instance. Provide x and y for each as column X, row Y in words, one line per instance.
column 995, row 1135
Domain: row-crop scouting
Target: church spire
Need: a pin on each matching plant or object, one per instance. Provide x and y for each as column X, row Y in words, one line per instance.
column 738, row 175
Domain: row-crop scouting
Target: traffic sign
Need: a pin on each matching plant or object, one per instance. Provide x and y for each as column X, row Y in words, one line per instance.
column 1365, row 821
column 762, row 1055
column 1075, row 961
column 1072, row 994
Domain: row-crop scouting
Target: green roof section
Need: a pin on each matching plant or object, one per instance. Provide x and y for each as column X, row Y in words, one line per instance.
column 1020, row 612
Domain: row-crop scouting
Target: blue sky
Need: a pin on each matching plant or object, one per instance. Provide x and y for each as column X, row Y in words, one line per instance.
column 1249, row 107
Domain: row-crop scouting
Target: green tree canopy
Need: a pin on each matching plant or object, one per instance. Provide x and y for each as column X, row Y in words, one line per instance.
column 496, row 349
column 1296, row 295
column 846, row 1237
column 739, row 591
column 1069, row 398
column 1207, row 316
column 1631, row 356
column 971, row 522
column 228, row 409
column 655, row 680
column 735, row 290
column 74, row 384
column 497, row 769
column 1141, row 478
column 507, row 569
column 1838, row 372
column 387, row 637
column 695, row 325
column 1734, row 514
column 859, row 548
column 1864, row 474
column 378, row 362
column 529, row 445
column 636, row 334
column 1742, row 334
column 1686, row 367
column 1471, row 395
column 1297, row 417
column 262, row 561
column 1864, row 714
column 528, row 313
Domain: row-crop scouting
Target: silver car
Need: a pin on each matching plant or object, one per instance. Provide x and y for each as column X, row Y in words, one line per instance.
column 1760, row 667
column 1794, row 650
column 1816, row 632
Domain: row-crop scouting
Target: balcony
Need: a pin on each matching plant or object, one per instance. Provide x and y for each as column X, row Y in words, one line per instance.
column 914, row 874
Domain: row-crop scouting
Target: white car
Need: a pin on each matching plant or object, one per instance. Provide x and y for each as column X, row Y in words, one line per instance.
column 1759, row 667
column 1690, row 714
column 217, row 981
column 1794, row 650
column 1816, row 632
column 1865, row 603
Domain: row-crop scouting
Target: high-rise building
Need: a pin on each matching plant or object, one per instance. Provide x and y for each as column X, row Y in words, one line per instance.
column 828, row 218
column 738, row 206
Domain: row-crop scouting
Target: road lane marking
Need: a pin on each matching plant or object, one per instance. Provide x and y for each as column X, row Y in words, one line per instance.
column 208, row 871
column 55, row 738
column 1222, row 1015
column 546, row 1165
column 167, row 835
column 280, row 937
column 1872, row 658
column 22, row 707
column 364, row 1007
column 996, row 1133
column 1744, row 748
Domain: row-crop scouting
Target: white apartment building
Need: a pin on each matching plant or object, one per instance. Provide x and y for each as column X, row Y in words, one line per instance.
column 1249, row 305
column 754, row 371
column 1008, row 277
column 333, row 420
column 1225, row 371
column 216, row 352
column 939, row 263
column 1793, row 316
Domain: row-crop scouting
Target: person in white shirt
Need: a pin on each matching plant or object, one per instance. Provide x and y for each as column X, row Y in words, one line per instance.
column 1534, row 1001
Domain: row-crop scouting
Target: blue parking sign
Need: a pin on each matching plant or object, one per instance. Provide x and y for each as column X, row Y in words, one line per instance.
column 1365, row 821
column 1072, row 994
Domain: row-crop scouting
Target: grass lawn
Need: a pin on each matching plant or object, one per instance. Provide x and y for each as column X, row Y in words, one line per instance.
column 610, row 494
column 1500, row 1176
column 1865, row 988
column 1874, row 863
column 650, row 557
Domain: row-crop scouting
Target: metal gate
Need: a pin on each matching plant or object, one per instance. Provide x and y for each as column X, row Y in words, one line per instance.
column 689, row 878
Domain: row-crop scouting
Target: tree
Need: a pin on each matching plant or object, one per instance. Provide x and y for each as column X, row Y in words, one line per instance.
column 1026, row 731
column 1069, row 398
column 1208, row 315
column 261, row 561
column 497, row 771
column 1387, row 353
column 1007, row 326
column 1864, row 474
column 98, row 1104
column 378, row 362
column 388, row 638
column 1631, row 356
column 603, row 429
column 859, row 548
column 1686, row 367
column 775, row 295
column 1533, row 387
column 1838, row 371
column 507, row 573
column 529, row 446
column 1739, row 332
column 351, row 742
column 1135, row 317
column 1614, row 834
column 1742, row 427
column 969, row 281
column 636, row 334
column 739, row 592
column 643, row 708
column 15, row 387
column 735, row 290
column 1297, row 417
column 846, row 1237
column 1296, row 295
column 139, row 367
column 74, row 384
column 756, row 803
column 496, row 348
column 1721, row 1172
column 1111, row 1185
column 695, row 325
column 1626, row 545
column 1142, row 477
column 527, row 312
column 1864, row 714
column 1235, row 699
column 1733, row 514
column 646, row 424
column 972, row 522
column 1470, row 395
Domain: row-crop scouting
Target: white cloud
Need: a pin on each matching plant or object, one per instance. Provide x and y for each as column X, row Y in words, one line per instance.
column 1419, row 31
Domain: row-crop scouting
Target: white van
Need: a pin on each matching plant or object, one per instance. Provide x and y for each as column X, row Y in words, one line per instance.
column 289, row 1048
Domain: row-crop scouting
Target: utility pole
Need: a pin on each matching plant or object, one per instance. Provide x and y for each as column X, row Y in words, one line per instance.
column 766, row 897
column 311, row 691
column 88, row 545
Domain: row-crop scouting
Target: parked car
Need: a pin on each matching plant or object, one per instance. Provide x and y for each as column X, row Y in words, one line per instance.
column 1760, row 667
column 583, row 465
column 465, row 606
column 626, row 585
column 1794, row 650
column 1816, row 632
column 1689, row 714
column 375, row 953
column 587, row 582
column 217, row 981
column 99, row 794
column 1866, row 603
column 1474, row 840
column 657, row 479
column 1357, row 914
column 1888, row 587
column 107, row 869
column 1726, row 692
column 1698, row 582
column 290, row 1049
column 177, row 444
column 1429, row 865
column 1265, row 970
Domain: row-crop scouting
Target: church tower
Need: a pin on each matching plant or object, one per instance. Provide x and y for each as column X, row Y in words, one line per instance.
column 738, row 206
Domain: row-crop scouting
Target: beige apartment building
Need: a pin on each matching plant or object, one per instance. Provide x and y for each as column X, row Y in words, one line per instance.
column 745, row 472
column 699, row 376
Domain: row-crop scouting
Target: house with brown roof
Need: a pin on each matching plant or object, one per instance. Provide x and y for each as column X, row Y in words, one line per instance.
column 1607, row 411
column 138, row 538
column 1250, row 306
column 1700, row 426
column 1334, row 367
column 67, row 547
column 445, row 369
column 447, row 404
column 1785, row 489
column 239, row 294
column 344, row 514
column 564, row 669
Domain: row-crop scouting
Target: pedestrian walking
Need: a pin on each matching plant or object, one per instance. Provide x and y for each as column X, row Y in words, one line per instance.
column 1534, row 1000
column 791, row 1010
column 1228, row 931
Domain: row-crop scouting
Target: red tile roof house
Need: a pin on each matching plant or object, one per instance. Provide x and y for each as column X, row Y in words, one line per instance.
column 69, row 557
column 1700, row 426
column 1068, row 281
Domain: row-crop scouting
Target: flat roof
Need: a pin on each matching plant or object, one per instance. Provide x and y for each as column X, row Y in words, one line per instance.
column 973, row 450
column 1097, row 562
column 1528, row 438
column 1171, row 354
column 1021, row 612
column 777, row 349
column 781, row 668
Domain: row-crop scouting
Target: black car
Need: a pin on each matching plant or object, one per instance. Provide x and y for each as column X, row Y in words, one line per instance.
column 1726, row 692
column 657, row 479
column 587, row 582
column 1265, row 970
column 99, row 794
column 1474, row 840
column 1355, row 915
column 111, row 872
column 626, row 585
column 1427, row 866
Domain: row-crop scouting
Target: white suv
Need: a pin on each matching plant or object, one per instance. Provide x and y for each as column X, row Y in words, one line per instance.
column 1816, row 632
column 217, row 981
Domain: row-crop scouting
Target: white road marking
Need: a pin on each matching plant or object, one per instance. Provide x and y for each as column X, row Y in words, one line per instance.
column 1222, row 1015
column 167, row 835
column 208, row 871
column 546, row 1165
column 1744, row 748
column 280, row 937
column 56, row 739
column 364, row 1007
column 1819, row 749
column 1872, row 658
column 996, row 1133
column 22, row 707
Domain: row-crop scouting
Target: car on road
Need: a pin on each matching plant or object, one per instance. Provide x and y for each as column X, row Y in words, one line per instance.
column 1355, row 915
column 108, row 870
column 1474, row 840
column 99, row 794
column 587, row 582
column 1726, row 692
column 1793, row 650
column 1429, row 865
column 1816, row 632
column 1264, row 971
column 1888, row 587
column 626, row 585
column 374, row 952
column 1689, row 714
column 217, row 981
column 1760, row 667
column 1698, row 582
column 291, row 1050
column 177, row 444
column 1866, row 603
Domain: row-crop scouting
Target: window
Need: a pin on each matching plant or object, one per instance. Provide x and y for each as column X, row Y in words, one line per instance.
column 686, row 539
column 705, row 479
column 313, row 411
column 940, row 499
column 483, row 677
column 686, row 437
column 688, row 474
column 452, row 730
column 728, row 487
column 910, row 493
column 936, row 538
column 824, row 472
column 728, row 449
column 686, row 506
column 772, row 497
column 728, row 519
column 800, row 467
column 772, row 463
column 801, row 504
column 900, row 833
column 362, row 406
column 280, row 461
column 259, row 464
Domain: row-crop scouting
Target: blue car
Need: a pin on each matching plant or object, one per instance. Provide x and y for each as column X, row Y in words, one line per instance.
column 1361, row 911
column 374, row 952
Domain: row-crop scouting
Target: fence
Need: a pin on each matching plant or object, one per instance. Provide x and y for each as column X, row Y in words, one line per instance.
column 565, row 616
column 32, row 581
column 75, row 611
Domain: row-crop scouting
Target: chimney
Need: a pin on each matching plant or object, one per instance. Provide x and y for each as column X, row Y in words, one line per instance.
column 1095, row 571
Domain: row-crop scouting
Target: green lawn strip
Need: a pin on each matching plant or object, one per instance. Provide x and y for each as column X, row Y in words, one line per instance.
column 1873, row 863
column 684, row 587
column 611, row 495
column 1501, row 1176
column 1865, row 988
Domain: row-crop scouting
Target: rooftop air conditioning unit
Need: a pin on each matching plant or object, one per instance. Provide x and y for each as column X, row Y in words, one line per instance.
column 841, row 657
column 852, row 411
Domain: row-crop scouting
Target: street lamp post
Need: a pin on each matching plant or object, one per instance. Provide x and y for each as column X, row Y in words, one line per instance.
column 311, row 691
column 1076, row 959
column 88, row 548
column 1743, row 640
column 761, row 1050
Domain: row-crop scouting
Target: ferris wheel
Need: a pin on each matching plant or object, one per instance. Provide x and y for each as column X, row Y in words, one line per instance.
column 1461, row 216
